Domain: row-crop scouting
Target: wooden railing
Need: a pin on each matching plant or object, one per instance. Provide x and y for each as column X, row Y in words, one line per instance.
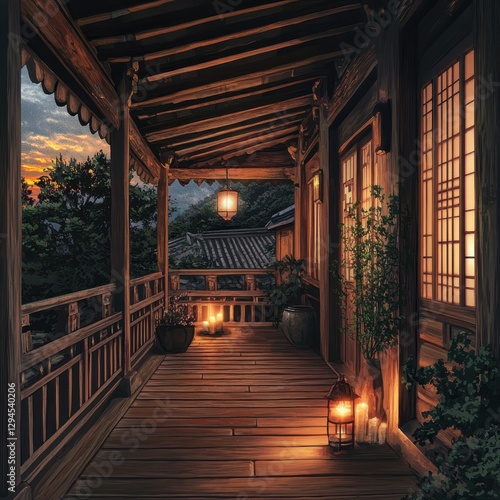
column 73, row 358
column 233, row 292
column 147, row 297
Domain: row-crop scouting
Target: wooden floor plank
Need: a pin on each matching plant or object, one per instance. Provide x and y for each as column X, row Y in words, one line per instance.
column 241, row 416
column 292, row 487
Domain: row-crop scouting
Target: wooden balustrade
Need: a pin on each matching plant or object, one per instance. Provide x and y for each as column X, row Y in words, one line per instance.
column 233, row 292
column 146, row 309
column 73, row 357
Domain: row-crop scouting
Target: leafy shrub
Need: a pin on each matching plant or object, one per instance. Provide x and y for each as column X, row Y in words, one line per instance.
column 469, row 390
column 289, row 287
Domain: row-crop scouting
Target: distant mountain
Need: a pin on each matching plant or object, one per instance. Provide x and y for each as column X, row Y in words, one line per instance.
column 183, row 197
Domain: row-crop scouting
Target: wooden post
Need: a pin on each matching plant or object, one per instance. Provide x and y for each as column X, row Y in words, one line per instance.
column 10, row 248
column 487, row 121
column 162, row 225
column 297, row 229
column 325, row 298
column 120, row 225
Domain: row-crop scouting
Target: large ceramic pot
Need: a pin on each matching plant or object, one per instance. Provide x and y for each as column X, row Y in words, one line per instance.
column 298, row 325
column 174, row 339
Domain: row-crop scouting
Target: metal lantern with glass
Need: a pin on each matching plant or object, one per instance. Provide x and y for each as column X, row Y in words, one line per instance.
column 227, row 201
column 340, row 420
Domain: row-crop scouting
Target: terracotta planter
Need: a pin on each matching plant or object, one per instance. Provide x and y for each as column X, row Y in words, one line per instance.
column 298, row 325
column 174, row 339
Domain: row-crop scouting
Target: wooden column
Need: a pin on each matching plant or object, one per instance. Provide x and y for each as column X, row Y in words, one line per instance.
column 405, row 133
column 299, row 186
column 325, row 299
column 120, row 224
column 162, row 226
column 10, row 244
column 487, row 114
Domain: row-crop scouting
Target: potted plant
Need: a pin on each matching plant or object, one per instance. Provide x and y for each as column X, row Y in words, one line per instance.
column 175, row 330
column 368, row 288
column 284, row 298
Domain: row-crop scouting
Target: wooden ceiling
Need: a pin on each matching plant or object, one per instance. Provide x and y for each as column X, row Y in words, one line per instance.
column 220, row 80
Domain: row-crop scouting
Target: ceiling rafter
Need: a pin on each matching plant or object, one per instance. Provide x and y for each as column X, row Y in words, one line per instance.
column 107, row 16
column 259, row 30
column 230, row 119
column 196, row 105
column 228, row 133
column 311, row 66
column 273, row 138
column 155, row 123
column 136, row 37
column 254, row 131
column 284, row 130
column 220, row 61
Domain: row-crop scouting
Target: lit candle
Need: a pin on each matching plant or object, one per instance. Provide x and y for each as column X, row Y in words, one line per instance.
column 341, row 412
column 372, row 430
column 382, row 433
column 205, row 326
column 212, row 324
column 361, row 422
column 218, row 326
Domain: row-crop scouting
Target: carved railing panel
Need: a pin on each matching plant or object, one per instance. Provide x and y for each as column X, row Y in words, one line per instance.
column 148, row 302
column 235, row 293
column 72, row 353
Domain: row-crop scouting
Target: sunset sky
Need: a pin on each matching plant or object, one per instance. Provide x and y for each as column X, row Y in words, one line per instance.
column 48, row 130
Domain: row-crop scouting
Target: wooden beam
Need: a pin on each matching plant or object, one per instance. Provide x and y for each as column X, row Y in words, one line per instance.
column 120, row 218
column 230, row 119
column 168, row 30
column 155, row 124
column 217, row 158
column 487, row 112
column 313, row 67
column 10, row 241
column 360, row 68
column 142, row 150
column 106, row 16
column 162, row 225
column 159, row 109
column 181, row 141
column 80, row 61
column 263, row 133
column 262, row 173
column 54, row 28
column 279, row 158
column 240, row 144
column 257, row 32
column 270, row 48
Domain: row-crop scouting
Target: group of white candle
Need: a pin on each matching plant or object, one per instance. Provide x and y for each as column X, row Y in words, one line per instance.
column 368, row 430
column 213, row 325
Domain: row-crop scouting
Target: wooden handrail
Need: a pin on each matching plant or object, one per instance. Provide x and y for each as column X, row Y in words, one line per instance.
column 63, row 300
column 220, row 272
column 145, row 279
column 218, row 293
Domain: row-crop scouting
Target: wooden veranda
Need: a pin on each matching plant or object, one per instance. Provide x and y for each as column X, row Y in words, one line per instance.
column 238, row 416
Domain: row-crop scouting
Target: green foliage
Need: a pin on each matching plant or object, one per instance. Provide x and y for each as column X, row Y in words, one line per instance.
column 469, row 390
column 66, row 235
column 367, row 279
column 257, row 203
column 289, row 287
column 26, row 192
column 177, row 313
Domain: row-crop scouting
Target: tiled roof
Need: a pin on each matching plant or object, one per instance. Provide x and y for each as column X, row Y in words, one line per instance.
column 233, row 249
column 282, row 218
